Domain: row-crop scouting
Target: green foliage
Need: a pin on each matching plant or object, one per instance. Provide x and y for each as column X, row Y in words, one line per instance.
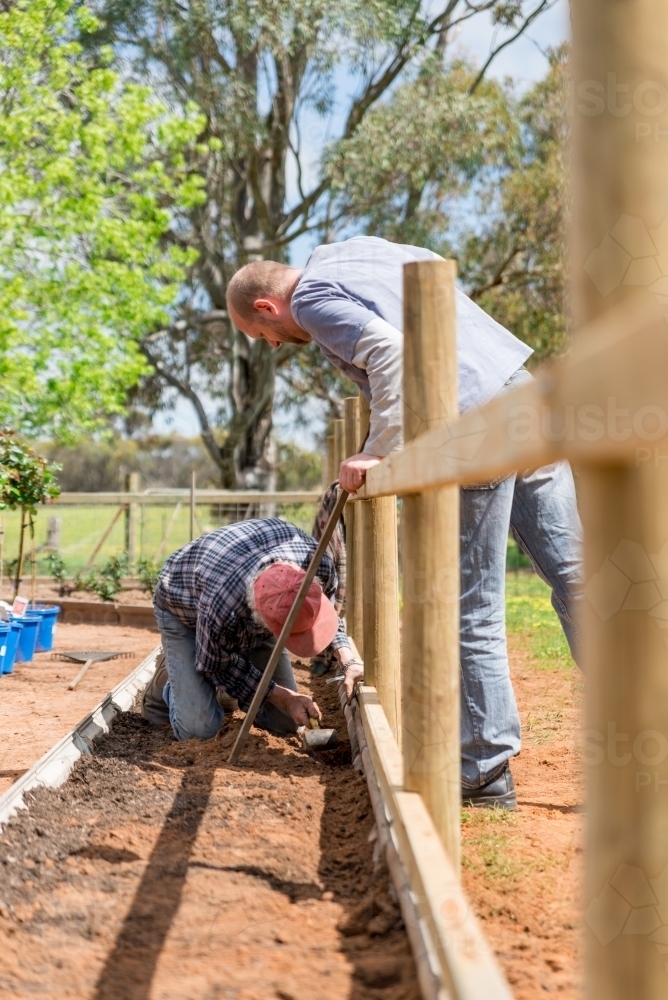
column 405, row 169
column 26, row 479
column 147, row 574
column 513, row 262
column 92, row 174
column 266, row 75
column 58, row 570
column 298, row 469
column 105, row 582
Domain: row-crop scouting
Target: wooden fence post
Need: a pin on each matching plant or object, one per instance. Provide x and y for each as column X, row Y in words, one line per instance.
column 330, row 475
column 353, row 517
column 339, row 428
column 620, row 58
column 132, row 485
column 430, row 559
column 193, row 489
column 382, row 654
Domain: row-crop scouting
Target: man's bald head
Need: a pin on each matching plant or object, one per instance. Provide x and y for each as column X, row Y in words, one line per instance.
column 257, row 281
column 258, row 300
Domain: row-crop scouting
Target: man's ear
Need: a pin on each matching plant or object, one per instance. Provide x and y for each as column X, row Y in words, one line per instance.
column 266, row 306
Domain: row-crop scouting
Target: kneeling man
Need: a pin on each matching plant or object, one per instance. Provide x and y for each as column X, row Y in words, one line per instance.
column 220, row 602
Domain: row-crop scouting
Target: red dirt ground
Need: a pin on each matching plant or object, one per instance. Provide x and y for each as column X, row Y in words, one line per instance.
column 522, row 871
column 159, row 871
column 36, row 708
column 258, row 881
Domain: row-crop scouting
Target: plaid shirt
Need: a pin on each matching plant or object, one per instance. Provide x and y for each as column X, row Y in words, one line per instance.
column 206, row 583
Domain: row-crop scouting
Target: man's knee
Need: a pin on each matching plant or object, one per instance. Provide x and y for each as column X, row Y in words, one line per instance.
column 204, row 729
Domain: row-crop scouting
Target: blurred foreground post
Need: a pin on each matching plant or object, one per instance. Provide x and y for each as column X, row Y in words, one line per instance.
column 620, row 78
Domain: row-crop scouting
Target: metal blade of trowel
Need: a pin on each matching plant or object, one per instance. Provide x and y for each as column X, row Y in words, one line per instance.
column 316, row 738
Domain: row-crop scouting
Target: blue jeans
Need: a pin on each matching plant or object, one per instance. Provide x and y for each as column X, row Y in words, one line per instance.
column 540, row 509
column 190, row 697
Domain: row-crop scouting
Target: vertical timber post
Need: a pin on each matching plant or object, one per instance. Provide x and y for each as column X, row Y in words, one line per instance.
column 339, row 428
column 353, row 516
column 193, row 490
column 430, row 558
column 330, row 474
column 132, row 485
column 380, row 587
column 620, row 52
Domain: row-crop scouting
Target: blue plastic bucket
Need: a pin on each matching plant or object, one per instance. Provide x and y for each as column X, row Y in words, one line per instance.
column 15, row 629
column 25, row 649
column 47, row 628
column 4, row 636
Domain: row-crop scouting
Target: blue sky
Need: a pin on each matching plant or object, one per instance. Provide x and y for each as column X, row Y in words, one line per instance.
column 524, row 62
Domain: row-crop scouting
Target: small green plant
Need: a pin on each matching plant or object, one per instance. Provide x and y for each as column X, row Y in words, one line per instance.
column 105, row 589
column 148, row 573
column 58, row 571
column 105, row 582
column 25, row 481
column 114, row 570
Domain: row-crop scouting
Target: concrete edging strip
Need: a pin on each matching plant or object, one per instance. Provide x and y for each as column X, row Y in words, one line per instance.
column 54, row 767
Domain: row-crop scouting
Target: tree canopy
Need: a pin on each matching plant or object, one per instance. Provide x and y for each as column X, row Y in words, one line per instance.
column 92, row 170
column 149, row 148
column 404, row 131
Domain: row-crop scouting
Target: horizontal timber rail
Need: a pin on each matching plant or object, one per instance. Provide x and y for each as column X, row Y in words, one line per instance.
column 155, row 497
column 602, row 404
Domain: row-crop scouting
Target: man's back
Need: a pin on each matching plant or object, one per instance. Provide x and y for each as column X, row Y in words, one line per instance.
column 345, row 286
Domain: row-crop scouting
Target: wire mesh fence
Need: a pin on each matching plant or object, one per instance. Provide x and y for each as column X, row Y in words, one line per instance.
column 89, row 533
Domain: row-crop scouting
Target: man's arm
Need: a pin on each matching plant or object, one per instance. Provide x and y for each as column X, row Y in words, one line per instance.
column 379, row 351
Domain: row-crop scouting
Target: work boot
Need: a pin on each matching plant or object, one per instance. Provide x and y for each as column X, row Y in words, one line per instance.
column 499, row 792
column 153, row 707
column 226, row 701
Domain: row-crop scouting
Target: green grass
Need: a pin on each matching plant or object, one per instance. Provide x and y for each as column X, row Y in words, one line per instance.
column 83, row 527
column 530, row 615
column 489, row 836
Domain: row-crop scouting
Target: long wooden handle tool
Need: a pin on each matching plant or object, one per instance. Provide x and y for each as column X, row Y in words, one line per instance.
column 268, row 674
column 73, row 683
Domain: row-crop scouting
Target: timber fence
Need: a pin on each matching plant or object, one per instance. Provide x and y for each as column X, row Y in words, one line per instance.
column 87, row 528
column 605, row 409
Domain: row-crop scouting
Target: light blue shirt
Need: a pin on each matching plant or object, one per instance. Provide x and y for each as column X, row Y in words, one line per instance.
column 347, row 286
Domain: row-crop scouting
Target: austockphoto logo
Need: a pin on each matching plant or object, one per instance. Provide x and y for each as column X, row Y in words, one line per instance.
column 648, row 99
column 631, row 903
column 631, row 579
column 589, row 423
column 646, row 753
column 633, row 254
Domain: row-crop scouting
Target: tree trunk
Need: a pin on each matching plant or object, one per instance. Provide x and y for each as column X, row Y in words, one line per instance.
column 19, row 564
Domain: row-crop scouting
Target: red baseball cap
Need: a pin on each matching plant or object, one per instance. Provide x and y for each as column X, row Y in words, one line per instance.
column 317, row 622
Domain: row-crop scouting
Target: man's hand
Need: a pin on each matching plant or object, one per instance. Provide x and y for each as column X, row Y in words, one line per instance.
column 298, row 706
column 352, row 472
column 353, row 670
column 353, row 673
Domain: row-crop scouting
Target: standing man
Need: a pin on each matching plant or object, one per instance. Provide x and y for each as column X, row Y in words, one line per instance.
column 349, row 300
column 220, row 602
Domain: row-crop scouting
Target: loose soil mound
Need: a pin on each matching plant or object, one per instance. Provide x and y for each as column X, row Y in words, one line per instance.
column 160, row 871
column 36, row 708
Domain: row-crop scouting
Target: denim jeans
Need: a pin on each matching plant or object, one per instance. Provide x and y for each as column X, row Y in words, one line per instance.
column 189, row 696
column 540, row 509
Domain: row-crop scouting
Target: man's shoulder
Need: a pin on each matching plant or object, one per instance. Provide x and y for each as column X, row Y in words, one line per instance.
column 371, row 248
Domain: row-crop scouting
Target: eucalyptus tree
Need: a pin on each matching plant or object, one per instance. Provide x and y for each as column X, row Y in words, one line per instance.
column 286, row 88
